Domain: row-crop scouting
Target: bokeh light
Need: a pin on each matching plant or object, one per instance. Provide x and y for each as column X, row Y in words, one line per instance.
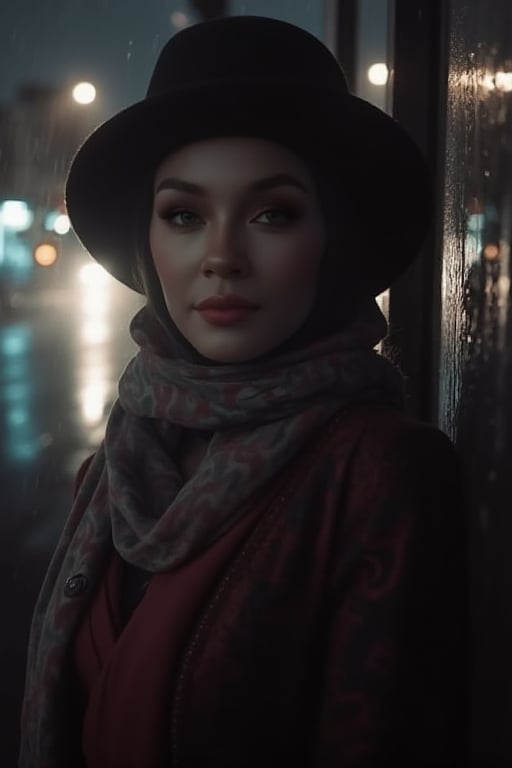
column 503, row 81
column 84, row 93
column 491, row 252
column 61, row 225
column 378, row 73
column 16, row 215
column 93, row 275
column 95, row 331
column 45, row 254
column 93, row 399
column 179, row 20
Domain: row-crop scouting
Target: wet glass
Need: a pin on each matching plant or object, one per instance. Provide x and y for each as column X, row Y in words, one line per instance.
column 476, row 351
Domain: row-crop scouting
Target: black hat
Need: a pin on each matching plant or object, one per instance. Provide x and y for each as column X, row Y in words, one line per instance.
column 253, row 76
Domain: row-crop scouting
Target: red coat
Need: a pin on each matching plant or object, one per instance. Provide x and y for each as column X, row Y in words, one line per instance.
column 336, row 636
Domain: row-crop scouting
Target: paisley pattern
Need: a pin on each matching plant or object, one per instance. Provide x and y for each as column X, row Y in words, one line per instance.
column 133, row 494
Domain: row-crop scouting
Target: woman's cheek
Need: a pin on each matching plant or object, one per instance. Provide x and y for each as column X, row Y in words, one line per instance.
column 297, row 265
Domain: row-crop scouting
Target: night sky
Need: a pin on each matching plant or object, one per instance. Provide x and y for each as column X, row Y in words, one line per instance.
column 113, row 43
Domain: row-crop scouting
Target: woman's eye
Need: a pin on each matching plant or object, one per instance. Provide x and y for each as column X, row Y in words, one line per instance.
column 182, row 218
column 276, row 216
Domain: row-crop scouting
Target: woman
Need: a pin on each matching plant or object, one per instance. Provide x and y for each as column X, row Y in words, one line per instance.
column 264, row 563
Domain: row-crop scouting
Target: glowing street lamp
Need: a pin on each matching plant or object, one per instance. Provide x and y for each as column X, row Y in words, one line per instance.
column 84, row 93
column 378, row 73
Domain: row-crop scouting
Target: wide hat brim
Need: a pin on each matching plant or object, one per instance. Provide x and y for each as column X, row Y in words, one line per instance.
column 372, row 159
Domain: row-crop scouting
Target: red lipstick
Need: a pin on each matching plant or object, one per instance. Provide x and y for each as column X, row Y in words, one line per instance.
column 225, row 309
column 228, row 301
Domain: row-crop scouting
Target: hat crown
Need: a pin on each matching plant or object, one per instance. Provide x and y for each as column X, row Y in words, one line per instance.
column 229, row 50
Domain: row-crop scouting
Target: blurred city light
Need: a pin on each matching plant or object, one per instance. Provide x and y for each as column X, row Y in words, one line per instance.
column 57, row 222
column 503, row 81
column 94, row 397
column 93, row 275
column 179, row 19
column 490, row 81
column 17, row 416
column 45, row 254
column 16, row 215
column 95, row 331
column 491, row 252
column 95, row 301
column 486, row 81
column 61, row 225
column 20, row 438
column 378, row 73
column 14, row 341
column 84, row 93
column 50, row 219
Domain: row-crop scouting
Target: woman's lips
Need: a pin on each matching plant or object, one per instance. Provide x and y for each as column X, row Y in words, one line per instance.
column 228, row 316
column 225, row 309
column 225, row 301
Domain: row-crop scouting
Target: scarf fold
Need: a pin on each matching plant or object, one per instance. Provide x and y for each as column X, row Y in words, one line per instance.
column 261, row 415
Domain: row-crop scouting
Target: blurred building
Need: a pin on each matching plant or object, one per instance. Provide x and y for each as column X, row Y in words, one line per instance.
column 39, row 133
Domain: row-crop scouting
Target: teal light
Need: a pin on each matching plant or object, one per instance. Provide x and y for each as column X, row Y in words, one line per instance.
column 17, row 394
column 16, row 215
column 17, row 416
column 50, row 219
column 14, row 341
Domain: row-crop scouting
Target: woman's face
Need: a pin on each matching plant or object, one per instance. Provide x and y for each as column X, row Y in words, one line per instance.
column 237, row 237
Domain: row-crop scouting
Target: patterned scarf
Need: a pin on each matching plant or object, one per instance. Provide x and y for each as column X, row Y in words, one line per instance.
column 261, row 414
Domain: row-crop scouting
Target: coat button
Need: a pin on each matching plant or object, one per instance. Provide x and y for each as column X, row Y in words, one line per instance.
column 76, row 585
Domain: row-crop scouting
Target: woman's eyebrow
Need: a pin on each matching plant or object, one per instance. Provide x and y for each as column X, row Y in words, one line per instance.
column 277, row 180
column 267, row 182
column 181, row 185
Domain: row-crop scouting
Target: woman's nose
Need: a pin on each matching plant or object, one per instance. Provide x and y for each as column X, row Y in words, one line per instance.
column 226, row 254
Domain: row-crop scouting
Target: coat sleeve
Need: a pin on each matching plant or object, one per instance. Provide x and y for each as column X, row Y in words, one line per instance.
column 394, row 689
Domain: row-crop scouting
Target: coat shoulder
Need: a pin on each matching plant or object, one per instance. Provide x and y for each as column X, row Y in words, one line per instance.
column 386, row 435
column 379, row 463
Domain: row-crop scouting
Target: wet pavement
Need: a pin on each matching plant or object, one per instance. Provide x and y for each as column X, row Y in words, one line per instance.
column 61, row 353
